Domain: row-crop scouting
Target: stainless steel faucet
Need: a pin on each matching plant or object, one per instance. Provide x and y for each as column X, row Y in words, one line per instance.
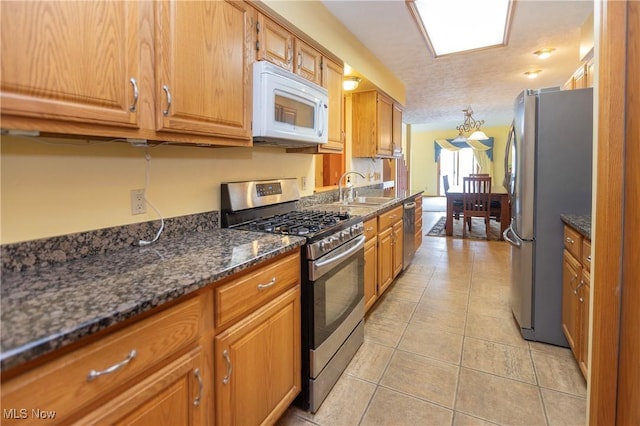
column 340, row 196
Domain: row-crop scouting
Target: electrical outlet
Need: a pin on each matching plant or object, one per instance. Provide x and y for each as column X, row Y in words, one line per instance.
column 138, row 203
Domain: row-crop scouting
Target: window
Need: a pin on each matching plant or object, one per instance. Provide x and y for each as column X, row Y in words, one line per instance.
column 456, row 164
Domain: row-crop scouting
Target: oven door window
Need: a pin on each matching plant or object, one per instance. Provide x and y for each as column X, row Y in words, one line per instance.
column 336, row 294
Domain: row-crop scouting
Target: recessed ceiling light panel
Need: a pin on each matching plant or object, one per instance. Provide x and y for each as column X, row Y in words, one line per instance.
column 451, row 26
column 544, row 53
column 532, row 74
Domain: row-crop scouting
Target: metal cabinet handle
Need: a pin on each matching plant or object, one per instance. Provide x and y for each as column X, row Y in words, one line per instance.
column 226, row 378
column 134, row 105
column 569, row 240
column 369, row 229
column 589, row 258
column 168, row 93
column 198, row 398
column 581, row 300
column 93, row 374
column 267, row 285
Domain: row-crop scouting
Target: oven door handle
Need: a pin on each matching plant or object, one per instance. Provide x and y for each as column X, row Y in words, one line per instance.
column 325, row 264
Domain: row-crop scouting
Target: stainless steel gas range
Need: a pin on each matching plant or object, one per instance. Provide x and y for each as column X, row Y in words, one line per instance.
column 332, row 274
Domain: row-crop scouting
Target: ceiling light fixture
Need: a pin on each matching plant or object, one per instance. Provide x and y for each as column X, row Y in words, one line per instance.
column 461, row 25
column 544, row 53
column 470, row 124
column 351, row 83
column 532, row 74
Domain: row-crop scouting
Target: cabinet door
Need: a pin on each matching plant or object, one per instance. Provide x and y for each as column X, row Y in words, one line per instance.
column 275, row 43
column 385, row 125
column 203, row 68
column 385, row 259
column 364, row 128
column 177, row 394
column 70, row 61
column 398, row 245
column 332, row 80
column 396, row 122
column 570, row 305
column 308, row 62
column 584, row 323
column 257, row 364
column 370, row 273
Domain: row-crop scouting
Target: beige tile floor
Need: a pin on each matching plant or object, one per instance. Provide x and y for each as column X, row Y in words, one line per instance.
column 442, row 348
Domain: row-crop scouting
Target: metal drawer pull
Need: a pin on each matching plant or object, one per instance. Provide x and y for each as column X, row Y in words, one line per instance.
column 267, row 285
column 93, row 374
column 569, row 240
column 134, row 105
column 589, row 258
column 166, row 90
column 226, row 378
column 196, row 373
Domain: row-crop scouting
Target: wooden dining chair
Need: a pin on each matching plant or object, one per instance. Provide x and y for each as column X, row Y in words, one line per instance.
column 457, row 204
column 476, row 201
column 495, row 205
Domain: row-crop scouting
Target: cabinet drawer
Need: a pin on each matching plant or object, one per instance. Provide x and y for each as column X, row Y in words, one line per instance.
column 586, row 254
column 370, row 228
column 65, row 385
column 245, row 294
column 573, row 242
column 387, row 219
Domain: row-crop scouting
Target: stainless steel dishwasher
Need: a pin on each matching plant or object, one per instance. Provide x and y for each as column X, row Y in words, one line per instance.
column 409, row 224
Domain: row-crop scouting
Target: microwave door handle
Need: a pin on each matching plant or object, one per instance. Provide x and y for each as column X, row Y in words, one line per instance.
column 321, row 108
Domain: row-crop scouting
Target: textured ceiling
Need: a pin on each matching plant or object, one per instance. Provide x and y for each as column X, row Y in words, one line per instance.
column 488, row 80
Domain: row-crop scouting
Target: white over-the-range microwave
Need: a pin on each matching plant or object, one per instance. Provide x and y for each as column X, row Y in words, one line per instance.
column 288, row 110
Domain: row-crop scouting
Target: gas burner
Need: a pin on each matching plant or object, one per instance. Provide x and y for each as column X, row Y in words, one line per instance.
column 306, row 223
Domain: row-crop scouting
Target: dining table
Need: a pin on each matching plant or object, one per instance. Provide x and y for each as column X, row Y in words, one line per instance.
column 498, row 193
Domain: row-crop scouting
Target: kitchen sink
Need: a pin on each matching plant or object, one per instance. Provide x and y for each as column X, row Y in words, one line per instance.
column 366, row 201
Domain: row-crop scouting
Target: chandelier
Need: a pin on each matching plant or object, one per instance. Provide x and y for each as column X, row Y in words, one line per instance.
column 470, row 124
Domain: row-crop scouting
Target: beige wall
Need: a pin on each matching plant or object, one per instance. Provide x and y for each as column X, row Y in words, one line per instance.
column 49, row 190
column 424, row 170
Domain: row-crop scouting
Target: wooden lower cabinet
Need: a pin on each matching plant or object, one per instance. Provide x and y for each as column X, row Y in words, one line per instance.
column 122, row 376
column 370, row 263
column 571, row 271
column 385, row 259
column 576, row 287
column 174, row 395
column 257, row 363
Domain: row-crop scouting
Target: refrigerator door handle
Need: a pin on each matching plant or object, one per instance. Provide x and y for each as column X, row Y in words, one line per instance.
column 516, row 241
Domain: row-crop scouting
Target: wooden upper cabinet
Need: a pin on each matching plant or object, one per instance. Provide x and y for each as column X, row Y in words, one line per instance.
column 71, row 61
column 308, row 62
column 332, row 75
column 203, row 68
column 372, row 114
column 396, row 134
column 275, row 43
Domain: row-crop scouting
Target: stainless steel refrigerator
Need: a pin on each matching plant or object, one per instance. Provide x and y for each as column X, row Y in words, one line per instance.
column 548, row 173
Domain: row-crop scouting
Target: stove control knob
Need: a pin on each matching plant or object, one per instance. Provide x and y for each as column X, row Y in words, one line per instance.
column 345, row 235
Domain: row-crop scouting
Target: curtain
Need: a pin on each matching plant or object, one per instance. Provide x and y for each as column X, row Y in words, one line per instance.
column 482, row 151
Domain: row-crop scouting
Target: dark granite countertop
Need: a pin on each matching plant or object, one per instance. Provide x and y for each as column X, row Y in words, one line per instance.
column 43, row 309
column 581, row 223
